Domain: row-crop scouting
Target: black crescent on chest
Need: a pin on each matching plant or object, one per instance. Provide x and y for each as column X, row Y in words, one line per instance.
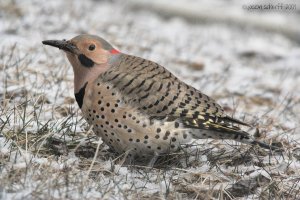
column 80, row 95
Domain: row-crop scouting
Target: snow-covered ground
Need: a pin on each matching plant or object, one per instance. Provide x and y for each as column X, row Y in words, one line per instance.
column 47, row 150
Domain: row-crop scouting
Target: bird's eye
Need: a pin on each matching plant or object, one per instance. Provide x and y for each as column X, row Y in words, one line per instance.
column 92, row 47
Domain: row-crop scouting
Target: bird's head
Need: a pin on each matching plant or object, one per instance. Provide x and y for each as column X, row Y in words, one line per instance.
column 89, row 55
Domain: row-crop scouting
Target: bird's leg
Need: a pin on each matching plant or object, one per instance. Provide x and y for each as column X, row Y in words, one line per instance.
column 153, row 160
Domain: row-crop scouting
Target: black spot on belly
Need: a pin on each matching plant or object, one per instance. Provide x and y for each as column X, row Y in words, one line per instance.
column 80, row 95
column 85, row 61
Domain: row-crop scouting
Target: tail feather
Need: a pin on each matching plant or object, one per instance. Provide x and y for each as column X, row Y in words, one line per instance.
column 211, row 129
column 264, row 145
column 230, row 119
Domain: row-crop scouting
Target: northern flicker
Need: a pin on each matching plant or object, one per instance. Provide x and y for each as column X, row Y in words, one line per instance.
column 137, row 105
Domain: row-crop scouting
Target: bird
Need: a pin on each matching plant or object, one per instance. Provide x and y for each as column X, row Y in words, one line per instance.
column 138, row 106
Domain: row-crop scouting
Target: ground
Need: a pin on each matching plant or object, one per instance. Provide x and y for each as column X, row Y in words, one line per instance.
column 47, row 151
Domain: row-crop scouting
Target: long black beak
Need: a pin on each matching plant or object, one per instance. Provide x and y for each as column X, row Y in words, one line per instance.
column 62, row 44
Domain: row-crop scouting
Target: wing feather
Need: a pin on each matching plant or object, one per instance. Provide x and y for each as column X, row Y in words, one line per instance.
column 157, row 93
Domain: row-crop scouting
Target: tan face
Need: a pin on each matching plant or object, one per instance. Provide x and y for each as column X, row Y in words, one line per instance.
column 90, row 50
column 88, row 54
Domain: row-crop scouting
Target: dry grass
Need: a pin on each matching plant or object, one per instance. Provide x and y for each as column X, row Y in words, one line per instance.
column 47, row 151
